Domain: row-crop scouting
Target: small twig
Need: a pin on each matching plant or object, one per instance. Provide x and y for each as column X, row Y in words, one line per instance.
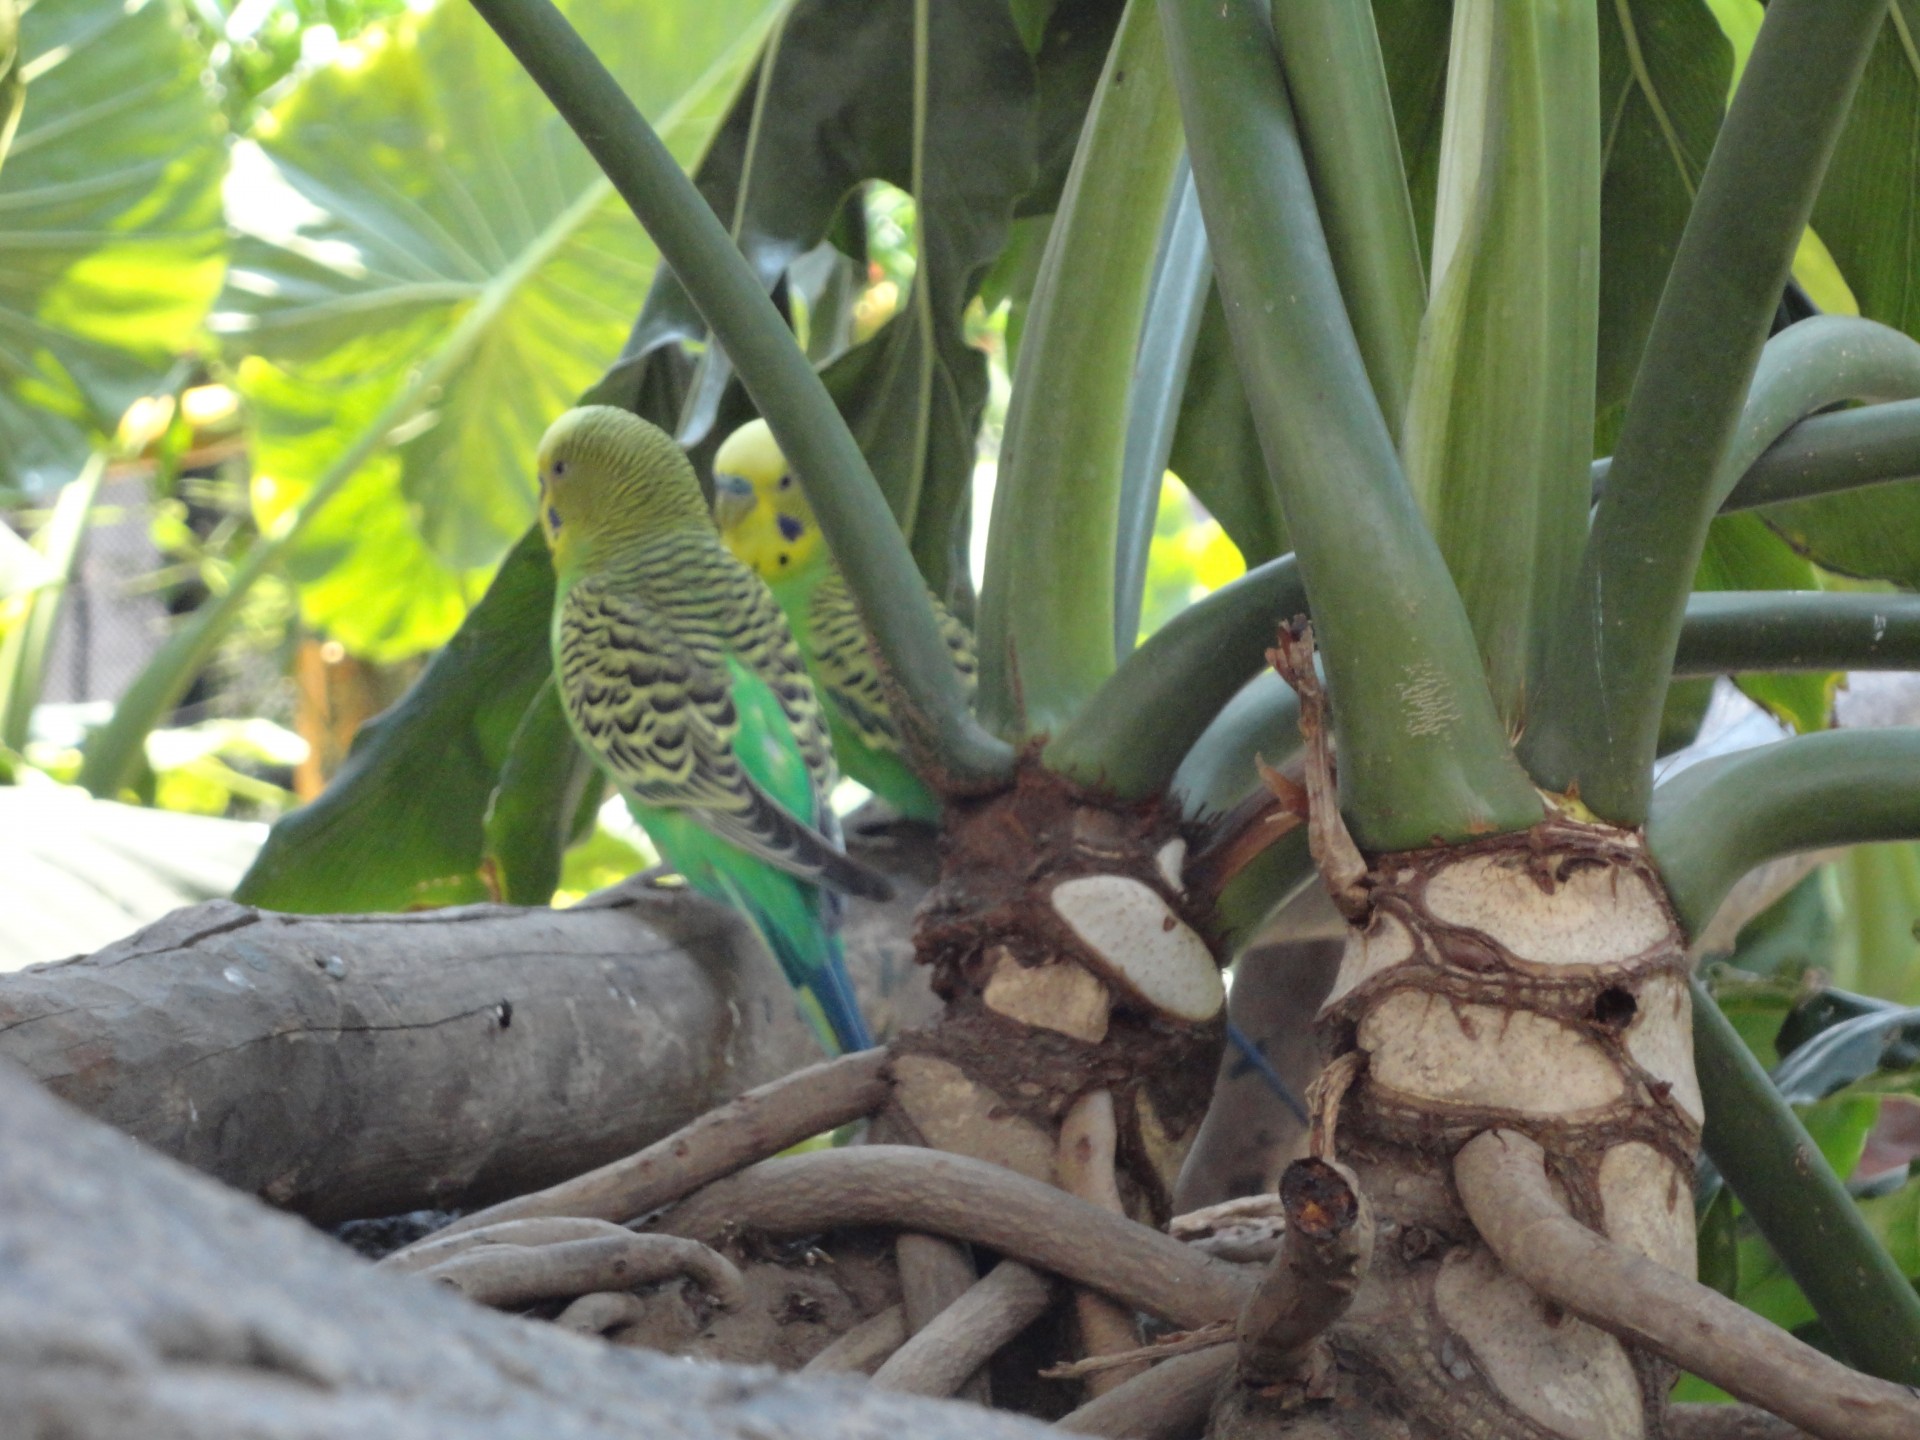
column 1324, row 1098
column 1342, row 868
column 1246, row 1230
column 1169, row 1401
column 938, row 1360
column 971, row 1200
column 861, row 1349
column 540, row 1230
column 601, row 1312
column 1502, row 1179
column 505, row 1275
column 1728, row 1422
column 748, row 1128
column 1180, row 1342
column 1083, row 1164
column 935, row 1274
column 1322, row 1260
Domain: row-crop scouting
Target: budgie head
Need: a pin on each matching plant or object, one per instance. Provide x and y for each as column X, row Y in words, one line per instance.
column 609, row 479
column 762, row 512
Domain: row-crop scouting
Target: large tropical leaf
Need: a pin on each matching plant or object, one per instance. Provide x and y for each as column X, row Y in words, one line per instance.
column 1664, row 73
column 832, row 105
column 425, row 252
column 110, row 238
column 401, row 824
column 1868, row 214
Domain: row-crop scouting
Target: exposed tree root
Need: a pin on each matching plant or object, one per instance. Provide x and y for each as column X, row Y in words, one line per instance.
column 1084, row 1167
column 540, row 1230
column 507, row 1275
column 1323, row 1258
column 751, row 1127
column 941, row 1356
column 862, row 1349
column 601, row 1313
column 1170, row 1400
column 935, row 1274
column 1503, row 1182
column 971, row 1200
column 1728, row 1422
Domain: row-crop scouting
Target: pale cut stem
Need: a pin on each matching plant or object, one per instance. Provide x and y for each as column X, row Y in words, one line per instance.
column 508, row 1275
column 937, row 1361
column 1324, row 1255
column 861, row 1350
column 747, row 1129
column 539, row 1230
column 935, row 1274
column 1170, row 1400
column 1084, row 1167
column 1502, row 1179
column 968, row 1199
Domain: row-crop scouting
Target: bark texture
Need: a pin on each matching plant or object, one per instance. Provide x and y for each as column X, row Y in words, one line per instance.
column 348, row 1066
column 1535, row 983
column 140, row 1301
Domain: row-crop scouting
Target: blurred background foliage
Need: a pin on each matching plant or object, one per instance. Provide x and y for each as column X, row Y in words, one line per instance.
column 293, row 286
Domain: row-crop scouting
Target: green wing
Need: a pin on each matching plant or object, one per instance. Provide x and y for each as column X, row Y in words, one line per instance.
column 850, row 672
column 654, row 698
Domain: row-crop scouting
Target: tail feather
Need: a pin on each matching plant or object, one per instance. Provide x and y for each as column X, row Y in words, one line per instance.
column 815, row 966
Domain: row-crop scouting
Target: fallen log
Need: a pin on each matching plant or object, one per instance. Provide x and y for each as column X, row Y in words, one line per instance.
column 138, row 1299
column 363, row 1065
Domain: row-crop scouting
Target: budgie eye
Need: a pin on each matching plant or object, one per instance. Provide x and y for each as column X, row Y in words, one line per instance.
column 559, row 468
column 786, row 481
column 553, row 520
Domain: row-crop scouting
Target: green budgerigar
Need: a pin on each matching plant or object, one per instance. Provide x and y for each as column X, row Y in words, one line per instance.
column 680, row 675
column 766, row 521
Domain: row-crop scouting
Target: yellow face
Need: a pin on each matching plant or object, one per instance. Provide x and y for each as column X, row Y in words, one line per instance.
column 758, row 504
column 609, row 479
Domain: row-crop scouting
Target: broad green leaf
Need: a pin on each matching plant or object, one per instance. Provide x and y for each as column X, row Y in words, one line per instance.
column 417, row 206
column 546, row 785
column 111, row 247
column 835, row 107
column 1664, row 74
column 400, row 827
column 1876, row 889
column 1871, row 534
column 12, row 86
column 1743, row 554
column 1869, row 205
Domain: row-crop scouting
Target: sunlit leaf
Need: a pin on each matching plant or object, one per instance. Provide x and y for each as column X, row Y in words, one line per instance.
column 418, row 202
column 111, row 246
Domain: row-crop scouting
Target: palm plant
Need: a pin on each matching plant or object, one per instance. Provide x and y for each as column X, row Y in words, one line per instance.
column 1429, row 309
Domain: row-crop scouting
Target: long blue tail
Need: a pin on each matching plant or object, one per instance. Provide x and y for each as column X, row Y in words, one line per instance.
column 815, row 965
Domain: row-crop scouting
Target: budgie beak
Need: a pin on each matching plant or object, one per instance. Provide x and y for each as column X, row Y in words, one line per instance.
column 733, row 500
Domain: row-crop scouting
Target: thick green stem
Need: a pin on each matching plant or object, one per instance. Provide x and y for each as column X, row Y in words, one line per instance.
column 854, row 515
column 1422, row 751
column 1330, row 53
column 1717, row 820
column 1824, row 455
column 1800, row 1206
column 1499, row 429
column 1046, row 604
column 1134, row 732
column 1596, row 724
column 1730, row 631
column 1829, row 453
